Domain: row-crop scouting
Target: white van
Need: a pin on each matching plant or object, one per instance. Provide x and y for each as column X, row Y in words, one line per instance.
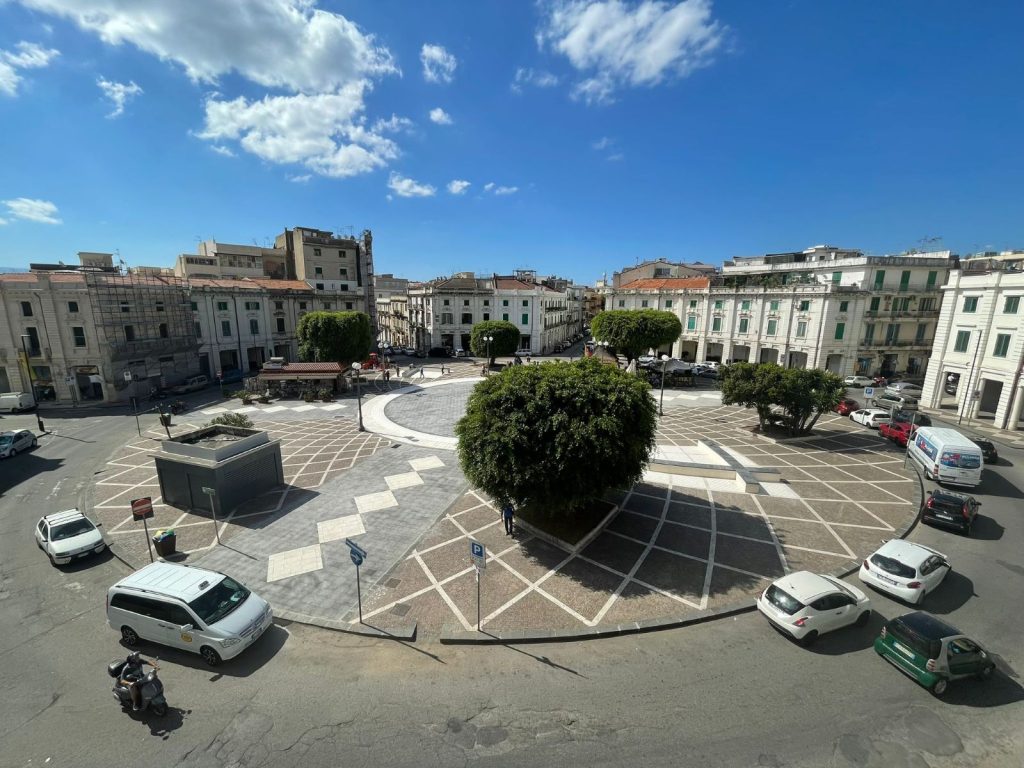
column 190, row 608
column 16, row 401
column 946, row 456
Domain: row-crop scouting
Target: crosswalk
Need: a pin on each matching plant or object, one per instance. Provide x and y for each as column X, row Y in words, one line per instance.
column 278, row 408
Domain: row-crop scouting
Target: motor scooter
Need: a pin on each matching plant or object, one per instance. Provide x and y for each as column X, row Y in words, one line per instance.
column 150, row 687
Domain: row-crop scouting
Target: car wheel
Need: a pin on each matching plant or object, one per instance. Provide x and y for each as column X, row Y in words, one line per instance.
column 939, row 686
column 210, row 656
column 129, row 637
column 13, row 453
column 52, row 561
column 809, row 638
column 862, row 620
column 986, row 673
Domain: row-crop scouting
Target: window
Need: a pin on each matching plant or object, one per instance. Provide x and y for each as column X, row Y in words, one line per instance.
column 869, row 333
column 445, row 302
column 926, row 305
column 280, row 325
column 526, row 303
column 254, row 326
column 622, row 302
column 716, row 324
column 129, row 333
column 744, row 324
column 875, row 304
column 526, row 319
column 904, row 279
column 879, row 278
column 447, row 318
column 319, row 286
column 467, row 318
column 1002, row 345
column 801, row 329
column 668, row 303
column 844, row 306
column 892, row 333
column 318, row 272
column 348, row 305
column 1011, row 305
column 126, row 307
column 773, row 326
column 225, row 327
column 487, row 315
column 73, row 306
column 487, row 302
column 932, row 277
column 327, row 305
column 970, row 303
column 773, row 306
column 505, row 317
column 504, row 303
column 343, row 272
column 316, row 251
column 643, row 303
column 198, row 329
column 278, row 306
column 343, row 287
column 302, row 305
column 693, row 303
column 691, row 323
column 840, row 331
column 805, row 305
column 163, row 330
column 837, row 278
column 159, row 306
column 719, row 304
column 745, row 306
column 78, row 332
column 253, row 305
column 901, row 305
column 26, row 309
column 922, row 329
column 963, row 339
column 465, row 302
column 166, row 359
column 342, row 254
column 222, row 306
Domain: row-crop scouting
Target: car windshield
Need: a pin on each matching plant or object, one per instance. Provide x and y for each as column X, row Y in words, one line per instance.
column 6, row 439
column 67, row 530
column 216, row 603
column 895, row 567
column 783, row 600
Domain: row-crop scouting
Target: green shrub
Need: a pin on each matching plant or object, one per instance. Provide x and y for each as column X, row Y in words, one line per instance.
column 232, row 420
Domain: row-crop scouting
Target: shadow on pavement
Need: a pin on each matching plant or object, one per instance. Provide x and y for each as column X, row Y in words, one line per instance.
column 998, row 691
column 162, row 726
column 985, row 528
column 850, row 639
column 19, row 468
column 542, row 659
column 954, row 591
column 243, row 665
column 90, row 562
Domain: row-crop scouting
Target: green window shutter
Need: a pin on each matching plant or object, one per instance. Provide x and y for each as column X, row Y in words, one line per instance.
column 772, row 327
column 840, row 330
column 932, row 277
column 1002, row 345
column 744, row 324
column 526, row 318
column 875, row 303
column 837, row 278
column 691, row 323
column 963, row 339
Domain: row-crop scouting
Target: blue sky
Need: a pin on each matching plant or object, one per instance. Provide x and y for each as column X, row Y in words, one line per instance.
column 591, row 134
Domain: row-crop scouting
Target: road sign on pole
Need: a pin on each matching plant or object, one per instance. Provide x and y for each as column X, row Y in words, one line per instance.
column 212, row 493
column 142, row 509
column 869, row 391
column 357, row 554
column 478, row 554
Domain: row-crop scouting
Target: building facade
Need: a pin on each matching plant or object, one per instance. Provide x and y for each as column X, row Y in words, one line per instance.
column 660, row 268
column 978, row 355
column 393, row 320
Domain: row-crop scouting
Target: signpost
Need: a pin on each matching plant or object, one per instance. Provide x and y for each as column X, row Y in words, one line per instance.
column 868, row 392
column 142, row 509
column 478, row 555
column 358, row 554
column 212, row 493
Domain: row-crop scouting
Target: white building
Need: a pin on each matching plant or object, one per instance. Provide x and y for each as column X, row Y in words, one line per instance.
column 979, row 345
column 829, row 308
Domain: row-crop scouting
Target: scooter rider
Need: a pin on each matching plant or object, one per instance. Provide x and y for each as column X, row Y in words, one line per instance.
column 132, row 674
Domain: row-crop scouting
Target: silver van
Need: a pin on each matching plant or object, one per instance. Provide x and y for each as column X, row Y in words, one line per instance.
column 188, row 608
column 16, row 402
column 191, row 384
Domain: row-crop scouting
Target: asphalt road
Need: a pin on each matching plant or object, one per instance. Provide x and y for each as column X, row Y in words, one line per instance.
column 728, row 693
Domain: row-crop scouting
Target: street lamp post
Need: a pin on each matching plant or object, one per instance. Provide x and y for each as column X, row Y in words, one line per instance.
column 661, row 402
column 488, row 339
column 28, row 367
column 357, row 367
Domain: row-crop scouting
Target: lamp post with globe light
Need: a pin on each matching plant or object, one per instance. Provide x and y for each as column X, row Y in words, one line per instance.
column 488, row 339
column 661, row 402
column 358, row 367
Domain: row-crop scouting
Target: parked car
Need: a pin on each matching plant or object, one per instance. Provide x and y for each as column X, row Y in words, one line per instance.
column 931, row 651
column 233, row 376
column 805, row 605
column 870, row 417
column 13, row 443
column 858, row 381
column 460, row 353
column 904, row 388
column 411, row 351
column 68, row 535
column 437, row 352
column 897, row 431
column 847, row 406
column 917, row 418
column 951, row 510
column 905, row 569
column 16, row 401
column 899, row 402
column 191, row 384
column 988, row 450
column 646, row 360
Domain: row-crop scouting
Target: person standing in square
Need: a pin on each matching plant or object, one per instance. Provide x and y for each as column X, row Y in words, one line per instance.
column 508, row 516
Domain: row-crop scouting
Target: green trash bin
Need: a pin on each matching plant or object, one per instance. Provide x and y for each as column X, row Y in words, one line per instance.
column 165, row 543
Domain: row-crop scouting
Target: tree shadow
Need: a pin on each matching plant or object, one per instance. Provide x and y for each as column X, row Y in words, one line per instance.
column 245, row 664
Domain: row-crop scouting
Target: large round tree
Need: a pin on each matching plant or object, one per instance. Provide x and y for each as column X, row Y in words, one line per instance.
column 334, row 337
column 506, row 339
column 554, row 437
column 633, row 331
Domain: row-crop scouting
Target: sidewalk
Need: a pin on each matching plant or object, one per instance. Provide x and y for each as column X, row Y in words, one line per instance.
column 1012, row 438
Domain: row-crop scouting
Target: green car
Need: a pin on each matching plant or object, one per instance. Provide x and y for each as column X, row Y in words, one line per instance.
column 931, row 651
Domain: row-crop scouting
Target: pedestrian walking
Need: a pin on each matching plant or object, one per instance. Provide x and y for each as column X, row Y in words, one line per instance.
column 387, row 375
column 508, row 516
column 527, row 359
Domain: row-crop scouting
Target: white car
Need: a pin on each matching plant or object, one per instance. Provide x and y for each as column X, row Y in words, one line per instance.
column 805, row 605
column 411, row 351
column 905, row 570
column 69, row 535
column 711, row 364
column 871, row 417
column 13, row 443
column 904, row 389
column 858, row 381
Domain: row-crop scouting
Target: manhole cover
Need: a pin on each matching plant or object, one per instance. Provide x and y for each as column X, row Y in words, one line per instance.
column 400, row 610
column 392, row 583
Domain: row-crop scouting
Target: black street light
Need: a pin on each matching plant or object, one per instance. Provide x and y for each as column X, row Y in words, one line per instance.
column 489, row 339
column 357, row 367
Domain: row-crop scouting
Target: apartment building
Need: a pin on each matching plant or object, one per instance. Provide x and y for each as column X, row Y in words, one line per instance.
column 226, row 260
column 661, row 268
column 393, row 320
column 824, row 307
column 979, row 345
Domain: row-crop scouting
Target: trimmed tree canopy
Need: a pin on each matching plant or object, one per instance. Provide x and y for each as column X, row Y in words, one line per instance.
column 803, row 393
column 334, row 337
column 556, row 435
column 633, row 332
column 506, row 338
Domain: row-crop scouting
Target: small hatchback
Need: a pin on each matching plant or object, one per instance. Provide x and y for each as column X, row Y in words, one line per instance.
column 905, row 570
column 13, row 443
column 950, row 510
column 69, row 535
column 932, row 652
column 804, row 605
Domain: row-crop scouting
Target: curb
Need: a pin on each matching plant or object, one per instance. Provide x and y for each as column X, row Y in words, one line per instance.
column 400, row 632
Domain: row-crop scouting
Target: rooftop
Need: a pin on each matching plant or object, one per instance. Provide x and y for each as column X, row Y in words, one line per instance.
column 667, row 284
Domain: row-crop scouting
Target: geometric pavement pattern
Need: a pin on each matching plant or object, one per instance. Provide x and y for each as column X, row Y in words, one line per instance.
column 678, row 544
column 312, row 452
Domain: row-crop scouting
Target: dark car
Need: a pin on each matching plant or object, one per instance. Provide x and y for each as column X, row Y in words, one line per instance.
column 950, row 510
column 918, row 419
column 438, row 352
column 847, row 406
column 988, row 450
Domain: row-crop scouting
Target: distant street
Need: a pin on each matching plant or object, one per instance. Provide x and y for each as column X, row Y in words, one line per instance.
column 727, row 693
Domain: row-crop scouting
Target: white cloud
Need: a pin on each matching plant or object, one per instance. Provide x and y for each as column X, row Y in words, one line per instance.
column 438, row 65
column 302, row 179
column 616, row 157
column 41, row 211
column 28, row 56
column 220, row 150
column 458, row 186
column 505, row 190
column 394, row 124
column 439, row 116
column 539, row 78
column 404, row 187
column 488, row 186
column 118, row 93
column 617, row 44
column 3, row 222
column 603, row 143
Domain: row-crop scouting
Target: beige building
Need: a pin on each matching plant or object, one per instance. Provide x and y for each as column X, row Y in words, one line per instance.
column 660, row 268
column 393, row 320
